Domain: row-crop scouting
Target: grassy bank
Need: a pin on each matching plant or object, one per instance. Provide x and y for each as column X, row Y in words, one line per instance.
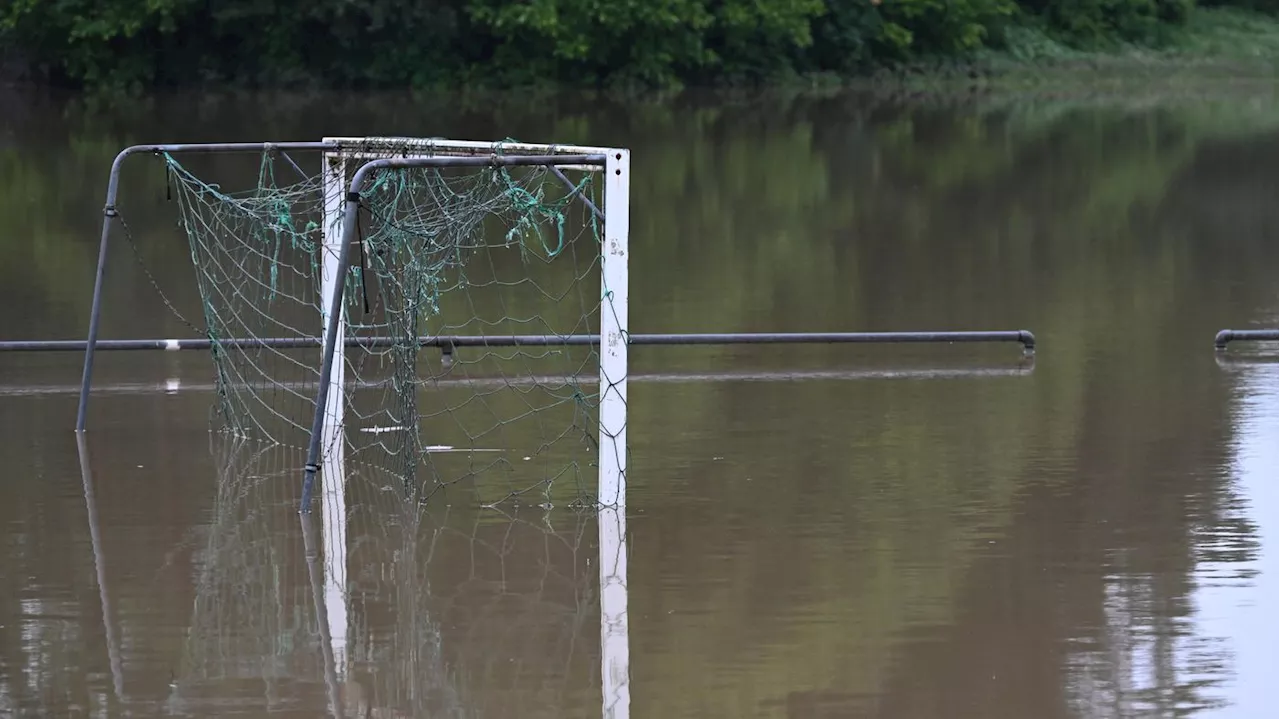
column 1216, row 42
column 1217, row 51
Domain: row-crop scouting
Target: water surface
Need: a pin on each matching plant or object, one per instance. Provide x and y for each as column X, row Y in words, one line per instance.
column 877, row 531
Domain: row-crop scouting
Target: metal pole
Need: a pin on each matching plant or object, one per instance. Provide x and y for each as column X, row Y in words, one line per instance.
column 109, row 213
column 611, row 409
column 344, row 262
column 1225, row 337
column 449, row 342
column 95, row 310
column 573, row 189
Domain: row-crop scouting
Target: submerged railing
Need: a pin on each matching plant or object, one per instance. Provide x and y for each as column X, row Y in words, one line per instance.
column 1225, row 337
column 447, row 343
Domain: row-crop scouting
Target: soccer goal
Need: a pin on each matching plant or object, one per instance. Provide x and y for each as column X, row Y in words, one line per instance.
column 432, row 314
column 428, row 314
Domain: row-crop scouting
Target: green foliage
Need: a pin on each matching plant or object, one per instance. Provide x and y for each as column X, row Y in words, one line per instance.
column 852, row 37
column 1100, row 21
column 90, row 41
column 920, row 27
column 648, row 43
column 1267, row 7
column 590, row 39
column 119, row 43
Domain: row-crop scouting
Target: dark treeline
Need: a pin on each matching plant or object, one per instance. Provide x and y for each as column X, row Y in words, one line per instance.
column 647, row 43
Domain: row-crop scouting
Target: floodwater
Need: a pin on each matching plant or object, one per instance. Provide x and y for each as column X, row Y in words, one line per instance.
column 871, row 531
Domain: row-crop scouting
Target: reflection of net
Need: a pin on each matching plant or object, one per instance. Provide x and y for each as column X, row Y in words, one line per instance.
column 251, row 638
column 451, row 613
column 463, row 615
column 468, row 251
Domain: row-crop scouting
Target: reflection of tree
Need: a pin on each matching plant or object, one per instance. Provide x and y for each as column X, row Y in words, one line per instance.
column 1144, row 658
column 1029, row 240
column 1086, row 605
column 835, row 186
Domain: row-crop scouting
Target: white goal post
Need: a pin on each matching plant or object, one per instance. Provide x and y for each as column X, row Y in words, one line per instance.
column 355, row 158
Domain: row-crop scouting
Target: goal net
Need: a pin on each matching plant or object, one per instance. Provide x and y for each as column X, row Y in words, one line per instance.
column 481, row 342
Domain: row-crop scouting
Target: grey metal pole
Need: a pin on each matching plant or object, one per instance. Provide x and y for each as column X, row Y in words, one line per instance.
column 1223, row 338
column 574, row 190
column 450, row 342
column 95, row 310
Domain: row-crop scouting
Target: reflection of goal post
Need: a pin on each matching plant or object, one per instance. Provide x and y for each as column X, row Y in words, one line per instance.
column 427, row 236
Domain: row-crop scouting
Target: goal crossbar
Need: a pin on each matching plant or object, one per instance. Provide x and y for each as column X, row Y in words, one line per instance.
column 362, row 148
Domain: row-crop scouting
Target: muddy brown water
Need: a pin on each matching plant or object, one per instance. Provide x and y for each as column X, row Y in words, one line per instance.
column 873, row 531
